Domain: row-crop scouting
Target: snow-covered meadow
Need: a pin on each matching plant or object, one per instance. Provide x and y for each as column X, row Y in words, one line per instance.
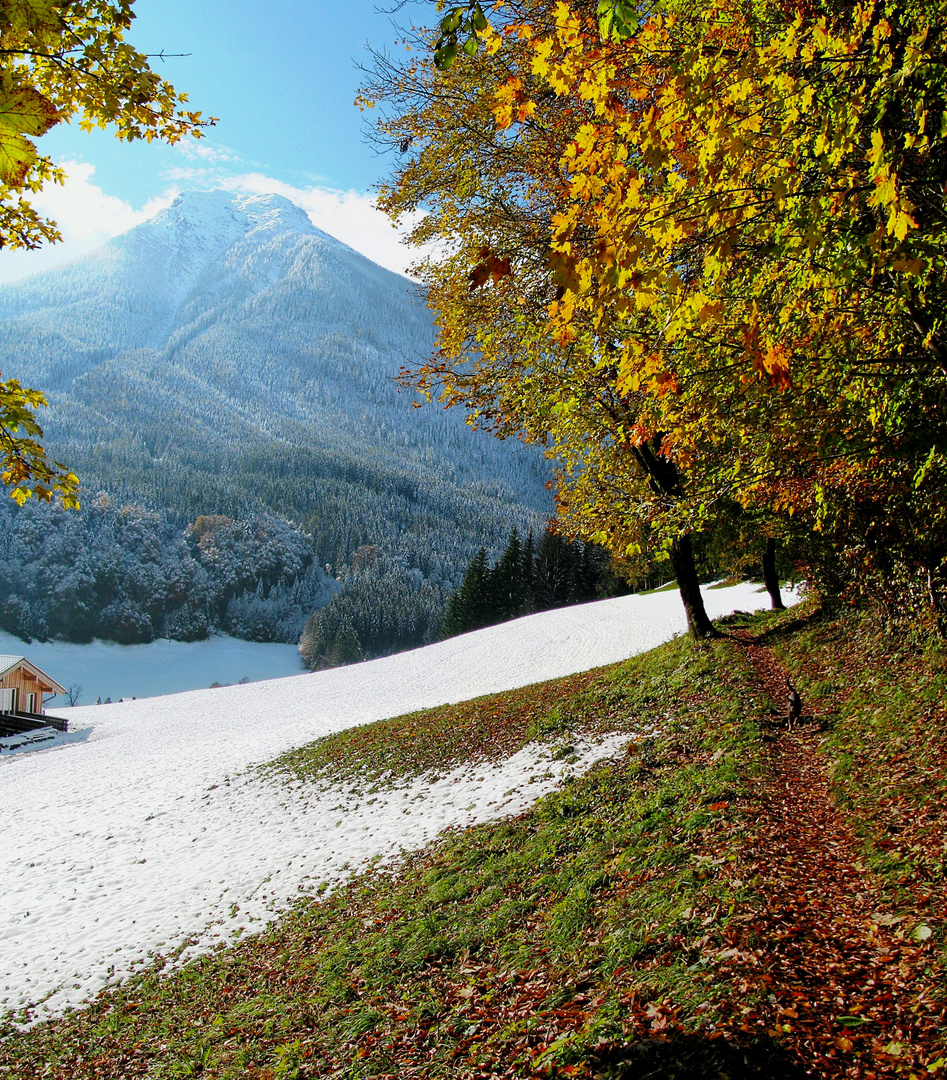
column 154, row 828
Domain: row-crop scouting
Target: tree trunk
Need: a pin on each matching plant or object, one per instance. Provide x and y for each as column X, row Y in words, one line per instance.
column 682, row 560
column 770, row 580
column 665, row 479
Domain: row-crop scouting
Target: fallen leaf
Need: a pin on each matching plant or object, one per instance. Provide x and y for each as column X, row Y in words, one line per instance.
column 881, row 919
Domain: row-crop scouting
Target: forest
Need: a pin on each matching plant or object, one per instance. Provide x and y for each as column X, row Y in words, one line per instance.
column 129, row 575
column 530, row 577
column 384, row 607
column 226, row 359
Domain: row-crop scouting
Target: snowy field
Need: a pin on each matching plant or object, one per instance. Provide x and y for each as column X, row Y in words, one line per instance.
column 106, row 670
column 152, row 827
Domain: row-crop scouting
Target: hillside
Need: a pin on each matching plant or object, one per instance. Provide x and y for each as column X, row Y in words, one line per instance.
column 227, row 357
column 719, row 898
column 181, row 837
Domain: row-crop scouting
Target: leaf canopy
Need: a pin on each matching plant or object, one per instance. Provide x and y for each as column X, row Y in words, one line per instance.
column 725, row 232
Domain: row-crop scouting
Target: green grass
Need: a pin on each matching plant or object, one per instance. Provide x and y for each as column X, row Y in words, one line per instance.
column 565, row 942
column 668, row 586
column 489, row 728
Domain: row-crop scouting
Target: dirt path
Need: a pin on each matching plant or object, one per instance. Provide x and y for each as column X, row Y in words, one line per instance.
column 843, row 973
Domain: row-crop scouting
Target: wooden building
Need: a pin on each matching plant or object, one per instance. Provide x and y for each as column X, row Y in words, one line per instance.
column 23, row 685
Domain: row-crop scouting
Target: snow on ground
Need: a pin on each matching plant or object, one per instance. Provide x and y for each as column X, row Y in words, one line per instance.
column 152, row 829
column 106, row 670
column 44, row 738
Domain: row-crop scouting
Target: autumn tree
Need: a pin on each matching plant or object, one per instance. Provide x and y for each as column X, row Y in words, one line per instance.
column 486, row 168
column 727, row 261
column 765, row 192
column 60, row 60
column 24, row 466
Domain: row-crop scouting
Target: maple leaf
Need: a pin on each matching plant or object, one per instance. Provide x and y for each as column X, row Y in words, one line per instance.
column 23, row 111
column 490, row 266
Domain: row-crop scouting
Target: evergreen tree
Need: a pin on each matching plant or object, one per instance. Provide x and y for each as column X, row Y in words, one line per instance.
column 555, row 572
column 526, row 579
column 507, row 584
column 529, row 573
column 382, row 608
column 467, row 608
column 345, row 647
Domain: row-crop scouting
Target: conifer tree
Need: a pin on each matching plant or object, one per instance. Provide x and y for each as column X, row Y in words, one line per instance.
column 526, row 579
column 467, row 608
column 529, row 574
column 507, row 591
column 555, row 571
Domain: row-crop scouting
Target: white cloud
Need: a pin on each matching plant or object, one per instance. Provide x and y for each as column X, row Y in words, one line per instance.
column 188, row 175
column 86, row 217
column 205, row 150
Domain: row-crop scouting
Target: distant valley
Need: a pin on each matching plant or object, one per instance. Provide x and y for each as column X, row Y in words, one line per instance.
column 228, row 359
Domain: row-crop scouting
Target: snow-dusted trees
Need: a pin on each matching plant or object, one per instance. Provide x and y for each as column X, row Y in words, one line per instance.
column 225, row 359
column 382, row 608
column 129, row 575
column 59, row 61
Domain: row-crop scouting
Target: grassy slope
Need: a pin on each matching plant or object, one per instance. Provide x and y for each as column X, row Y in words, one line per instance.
column 587, row 937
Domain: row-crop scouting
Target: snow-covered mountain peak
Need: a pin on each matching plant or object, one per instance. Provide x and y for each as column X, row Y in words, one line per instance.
column 216, row 219
column 209, row 216
column 205, row 249
column 274, row 210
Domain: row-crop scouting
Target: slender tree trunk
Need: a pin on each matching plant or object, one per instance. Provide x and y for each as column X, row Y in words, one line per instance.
column 665, row 479
column 937, row 603
column 770, row 580
column 682, row 560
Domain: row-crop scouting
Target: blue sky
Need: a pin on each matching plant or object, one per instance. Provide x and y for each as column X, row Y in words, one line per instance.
column 282, row 78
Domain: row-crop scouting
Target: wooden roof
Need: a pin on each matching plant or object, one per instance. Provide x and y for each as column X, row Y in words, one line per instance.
column 9, row 662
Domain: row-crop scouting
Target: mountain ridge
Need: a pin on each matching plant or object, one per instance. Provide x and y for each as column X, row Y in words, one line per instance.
column 257, row 317
column 170, row 253
column 229, row 358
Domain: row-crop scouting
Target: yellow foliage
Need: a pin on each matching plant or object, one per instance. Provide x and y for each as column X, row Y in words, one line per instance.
column 726, row 235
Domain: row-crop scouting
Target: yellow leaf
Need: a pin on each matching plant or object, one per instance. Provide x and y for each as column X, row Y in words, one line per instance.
column 709, row 311
column 899, row 223
column 23, row 111
column 909, row 266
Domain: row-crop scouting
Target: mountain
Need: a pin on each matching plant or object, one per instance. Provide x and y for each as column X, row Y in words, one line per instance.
column 227, row 357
